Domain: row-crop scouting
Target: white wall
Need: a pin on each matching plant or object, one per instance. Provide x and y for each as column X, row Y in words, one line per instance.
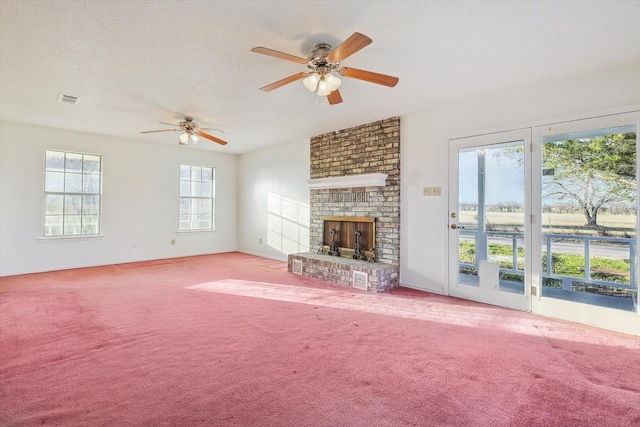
column 140, row 201
column 140, row 185
column 273, row 200
column 424, row 159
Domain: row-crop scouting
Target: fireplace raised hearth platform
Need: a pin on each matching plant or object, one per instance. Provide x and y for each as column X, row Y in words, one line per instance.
column 372, row 277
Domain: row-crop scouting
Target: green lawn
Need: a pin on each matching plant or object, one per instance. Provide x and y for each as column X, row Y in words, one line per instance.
column 607, row 269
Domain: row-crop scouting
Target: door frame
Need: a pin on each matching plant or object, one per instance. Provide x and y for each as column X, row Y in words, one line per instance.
column 484, row 295
column 603, row 317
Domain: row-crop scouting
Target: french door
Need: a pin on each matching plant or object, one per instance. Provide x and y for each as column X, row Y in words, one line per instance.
column 488, row 230
column 585, row 197
column 545, row 219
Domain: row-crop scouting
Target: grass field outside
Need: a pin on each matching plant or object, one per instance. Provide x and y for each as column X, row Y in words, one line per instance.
column 555, row 223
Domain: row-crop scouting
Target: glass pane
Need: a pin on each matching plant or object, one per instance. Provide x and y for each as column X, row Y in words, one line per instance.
column 53, row 225
column 491, row 208
column 73, row 183
column 72, row 205
column 53, row 204
column 185, row 222
column 55, row 161
column 91, row 184
column 589, row 217
column 185, row 172
column 468, row 188
column 468, row 271
column 91, row 164
column 185, row 188
column 205, row 206
column 54, row 182
column 205, row 221
column 90, row 224
column 196, row 189
column 90, row 205
column 72, row 224
column 609, row 262
column 73, row 162
column 207, row 174
column 206, row 189
column 194, row 205
column 184, row 206
column 196, row 173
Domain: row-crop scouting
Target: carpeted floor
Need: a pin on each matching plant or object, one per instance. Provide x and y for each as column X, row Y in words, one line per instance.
column 235, row 340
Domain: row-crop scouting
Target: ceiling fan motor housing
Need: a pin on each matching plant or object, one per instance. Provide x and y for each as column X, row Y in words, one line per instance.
column 318, row 61
column 189, row 126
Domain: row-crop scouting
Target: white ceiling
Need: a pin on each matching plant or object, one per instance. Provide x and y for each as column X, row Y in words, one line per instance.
column 134, row 63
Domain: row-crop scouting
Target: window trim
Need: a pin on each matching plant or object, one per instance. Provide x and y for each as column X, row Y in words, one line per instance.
column 212, row 198
column 45, row 193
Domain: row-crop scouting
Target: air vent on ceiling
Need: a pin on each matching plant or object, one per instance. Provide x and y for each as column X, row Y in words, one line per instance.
column 67, row 99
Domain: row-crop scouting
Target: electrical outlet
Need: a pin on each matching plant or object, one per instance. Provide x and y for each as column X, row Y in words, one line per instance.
column 260, row 241
column 133, row 245
column 437, row 191
column 173, row 241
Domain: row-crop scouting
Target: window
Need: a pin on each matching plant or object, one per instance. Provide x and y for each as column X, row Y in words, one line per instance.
column 196, row 197
column 72, row 194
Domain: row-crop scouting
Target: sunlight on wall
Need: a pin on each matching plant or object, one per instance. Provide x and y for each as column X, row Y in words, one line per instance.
column 287, row 224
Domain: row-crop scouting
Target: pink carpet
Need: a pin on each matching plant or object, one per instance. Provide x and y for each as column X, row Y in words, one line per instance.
column 235, row 340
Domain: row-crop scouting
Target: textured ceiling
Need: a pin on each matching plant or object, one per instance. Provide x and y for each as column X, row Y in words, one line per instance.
column 135, row 63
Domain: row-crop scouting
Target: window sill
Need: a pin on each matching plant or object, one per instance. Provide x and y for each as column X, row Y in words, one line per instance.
column 61, row 238
column 195, row 231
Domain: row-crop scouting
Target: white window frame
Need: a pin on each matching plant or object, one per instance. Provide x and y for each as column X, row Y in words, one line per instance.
column 74, row 195
column 196, row 198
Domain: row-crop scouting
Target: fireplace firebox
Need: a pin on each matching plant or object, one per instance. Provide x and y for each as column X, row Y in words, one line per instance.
column 349, row 237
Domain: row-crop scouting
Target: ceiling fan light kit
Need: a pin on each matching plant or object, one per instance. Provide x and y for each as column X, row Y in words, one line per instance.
column 185, row 138
column 322, row 63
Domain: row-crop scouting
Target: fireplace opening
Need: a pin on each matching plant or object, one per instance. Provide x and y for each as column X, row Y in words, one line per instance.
column 349, row 237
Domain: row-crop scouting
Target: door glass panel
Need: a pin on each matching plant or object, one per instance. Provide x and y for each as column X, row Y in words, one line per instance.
column 588, row 239
column 491, row 216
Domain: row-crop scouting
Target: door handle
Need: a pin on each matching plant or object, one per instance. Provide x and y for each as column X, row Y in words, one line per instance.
column 455, row 226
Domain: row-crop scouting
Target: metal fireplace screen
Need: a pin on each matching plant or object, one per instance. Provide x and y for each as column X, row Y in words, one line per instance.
column 345, row 235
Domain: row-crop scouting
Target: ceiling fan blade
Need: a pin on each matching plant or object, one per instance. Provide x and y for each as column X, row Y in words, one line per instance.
column 219, row 130
column 170, row 124
column 368, row 76
column 163, row 130
column 350, row 46
column 283, row 82
column 280, row 55
column 334, row 97
column 211, row 138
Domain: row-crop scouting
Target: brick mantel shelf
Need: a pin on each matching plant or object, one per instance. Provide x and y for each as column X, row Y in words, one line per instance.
column 348, row 181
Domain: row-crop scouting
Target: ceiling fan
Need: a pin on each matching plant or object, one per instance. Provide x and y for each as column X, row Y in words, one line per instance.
column 191, row 132
column 322, row 62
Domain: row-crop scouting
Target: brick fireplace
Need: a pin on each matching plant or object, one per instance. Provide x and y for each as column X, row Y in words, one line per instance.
column 355, row 173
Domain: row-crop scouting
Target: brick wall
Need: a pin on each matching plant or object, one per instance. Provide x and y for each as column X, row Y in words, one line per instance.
column 370, row 148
